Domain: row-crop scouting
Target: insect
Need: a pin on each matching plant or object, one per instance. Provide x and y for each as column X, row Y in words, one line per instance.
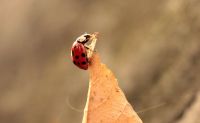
column 80, row 51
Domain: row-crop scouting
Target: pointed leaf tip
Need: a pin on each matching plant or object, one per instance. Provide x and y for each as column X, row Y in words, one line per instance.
column 106, row 103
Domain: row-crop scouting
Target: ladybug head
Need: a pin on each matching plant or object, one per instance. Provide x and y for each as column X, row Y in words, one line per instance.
column 83, row 38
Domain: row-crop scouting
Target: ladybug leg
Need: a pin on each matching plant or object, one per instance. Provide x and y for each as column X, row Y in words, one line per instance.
column 87, row 47
column 89, row 51
column 91, row 46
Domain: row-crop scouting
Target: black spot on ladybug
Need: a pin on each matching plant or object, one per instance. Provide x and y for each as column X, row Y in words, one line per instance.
column 74, row 62
column 72, row 53
column 83, row 54
column 78, row 63
column 83, row 63
column 76, row 57
column 87, row 36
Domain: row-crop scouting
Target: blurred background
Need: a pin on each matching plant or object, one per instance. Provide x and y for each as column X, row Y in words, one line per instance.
column 153, row 48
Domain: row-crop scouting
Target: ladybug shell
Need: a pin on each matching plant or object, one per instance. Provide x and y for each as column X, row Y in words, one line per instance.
column 79, row 55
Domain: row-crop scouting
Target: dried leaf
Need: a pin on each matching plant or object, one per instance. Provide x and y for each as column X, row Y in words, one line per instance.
column 106, row 102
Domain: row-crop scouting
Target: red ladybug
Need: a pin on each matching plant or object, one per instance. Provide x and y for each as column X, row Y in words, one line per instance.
column 79, row 52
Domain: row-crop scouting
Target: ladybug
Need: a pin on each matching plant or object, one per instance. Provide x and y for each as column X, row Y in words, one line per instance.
column 79, row 53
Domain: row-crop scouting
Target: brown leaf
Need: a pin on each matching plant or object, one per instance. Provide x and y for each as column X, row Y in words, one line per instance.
column 106, row 102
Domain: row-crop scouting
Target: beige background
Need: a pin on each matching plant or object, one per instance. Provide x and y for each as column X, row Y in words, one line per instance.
column 153, row 47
